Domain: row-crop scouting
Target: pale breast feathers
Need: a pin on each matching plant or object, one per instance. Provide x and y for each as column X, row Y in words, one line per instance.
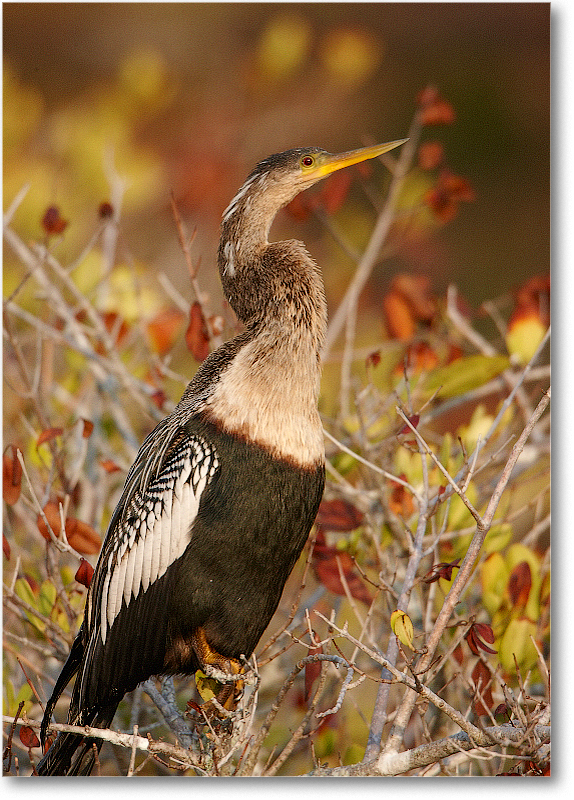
column 155, row 528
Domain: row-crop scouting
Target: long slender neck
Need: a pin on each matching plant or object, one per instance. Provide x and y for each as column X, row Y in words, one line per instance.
column 269, row 392
column 265, row 282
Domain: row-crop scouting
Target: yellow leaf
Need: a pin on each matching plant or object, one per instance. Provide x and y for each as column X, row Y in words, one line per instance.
column 402, row 626
column 493, row 578
column 523, row 338
column 516, row 641
column 465, row 374
column 207, row 687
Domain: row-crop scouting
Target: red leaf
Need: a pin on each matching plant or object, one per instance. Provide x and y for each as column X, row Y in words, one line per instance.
column 84, row 573
column 414, row 420
column 338, row 515
column 373, row 359
column 442, row 570
column 334, row 191
column 11, row 476
column 447, row 193
column 115, row 326
column 481, row 677
column 106, row 210
column 519, row 584
column 5, row 547
column 196, row 336
column 159, row 398
column 478, row 632
column 48, row 435
column 52, row 222
column 328, row 564
column 28, row 736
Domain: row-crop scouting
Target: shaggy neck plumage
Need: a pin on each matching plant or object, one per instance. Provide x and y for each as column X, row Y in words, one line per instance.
column 269, row 392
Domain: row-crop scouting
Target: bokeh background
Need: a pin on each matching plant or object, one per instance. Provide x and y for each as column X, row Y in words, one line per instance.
column 189, row 96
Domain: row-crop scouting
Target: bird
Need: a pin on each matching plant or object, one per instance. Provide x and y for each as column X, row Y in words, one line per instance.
column 219, row 502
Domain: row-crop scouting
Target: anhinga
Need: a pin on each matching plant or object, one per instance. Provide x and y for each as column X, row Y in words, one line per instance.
column 223, row 493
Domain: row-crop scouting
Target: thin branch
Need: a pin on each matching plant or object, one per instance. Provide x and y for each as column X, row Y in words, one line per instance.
column 378, row 236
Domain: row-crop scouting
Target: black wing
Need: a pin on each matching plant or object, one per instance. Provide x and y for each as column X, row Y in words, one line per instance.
column 124, row 630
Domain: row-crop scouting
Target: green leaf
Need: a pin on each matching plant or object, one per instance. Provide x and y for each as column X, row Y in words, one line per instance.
column 464, row 374
column 47, row 598
column 23, row 590
column 497, row 538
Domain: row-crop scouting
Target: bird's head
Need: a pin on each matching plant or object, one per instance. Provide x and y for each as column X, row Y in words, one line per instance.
column 273, row 183
column 280, row 177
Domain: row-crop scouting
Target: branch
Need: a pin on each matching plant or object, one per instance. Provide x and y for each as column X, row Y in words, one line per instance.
column 378, row 236
column 463, row 576
column 426, row 754
column 129, row 740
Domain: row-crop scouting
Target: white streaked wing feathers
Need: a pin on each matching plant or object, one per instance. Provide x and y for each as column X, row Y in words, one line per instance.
column 156, row 529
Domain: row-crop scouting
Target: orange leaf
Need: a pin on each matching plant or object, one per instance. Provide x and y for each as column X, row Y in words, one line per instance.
column 164, row 329
column 416, row 290
column 109, row 465
column 52, row 514
column 11, row 476
column 401, row 502
column 49, row 434
column 398, row 317
column 196, row 336
column 80, row 536
column 430, row 155
column 87, row 429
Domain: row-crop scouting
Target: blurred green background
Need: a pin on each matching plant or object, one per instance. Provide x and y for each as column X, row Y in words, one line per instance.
column 189, row 96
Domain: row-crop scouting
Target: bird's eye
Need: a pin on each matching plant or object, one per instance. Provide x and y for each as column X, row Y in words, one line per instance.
column 307, row 161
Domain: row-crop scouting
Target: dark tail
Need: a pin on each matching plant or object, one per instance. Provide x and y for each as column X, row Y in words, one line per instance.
column 73, row 754
column 61, row 758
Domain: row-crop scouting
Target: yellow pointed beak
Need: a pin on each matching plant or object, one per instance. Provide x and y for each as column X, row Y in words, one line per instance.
column 331, row 163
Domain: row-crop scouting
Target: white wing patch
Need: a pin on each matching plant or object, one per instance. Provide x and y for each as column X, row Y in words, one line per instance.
column 157, row 527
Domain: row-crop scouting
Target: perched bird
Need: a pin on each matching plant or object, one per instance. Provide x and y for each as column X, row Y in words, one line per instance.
column 223, row 493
